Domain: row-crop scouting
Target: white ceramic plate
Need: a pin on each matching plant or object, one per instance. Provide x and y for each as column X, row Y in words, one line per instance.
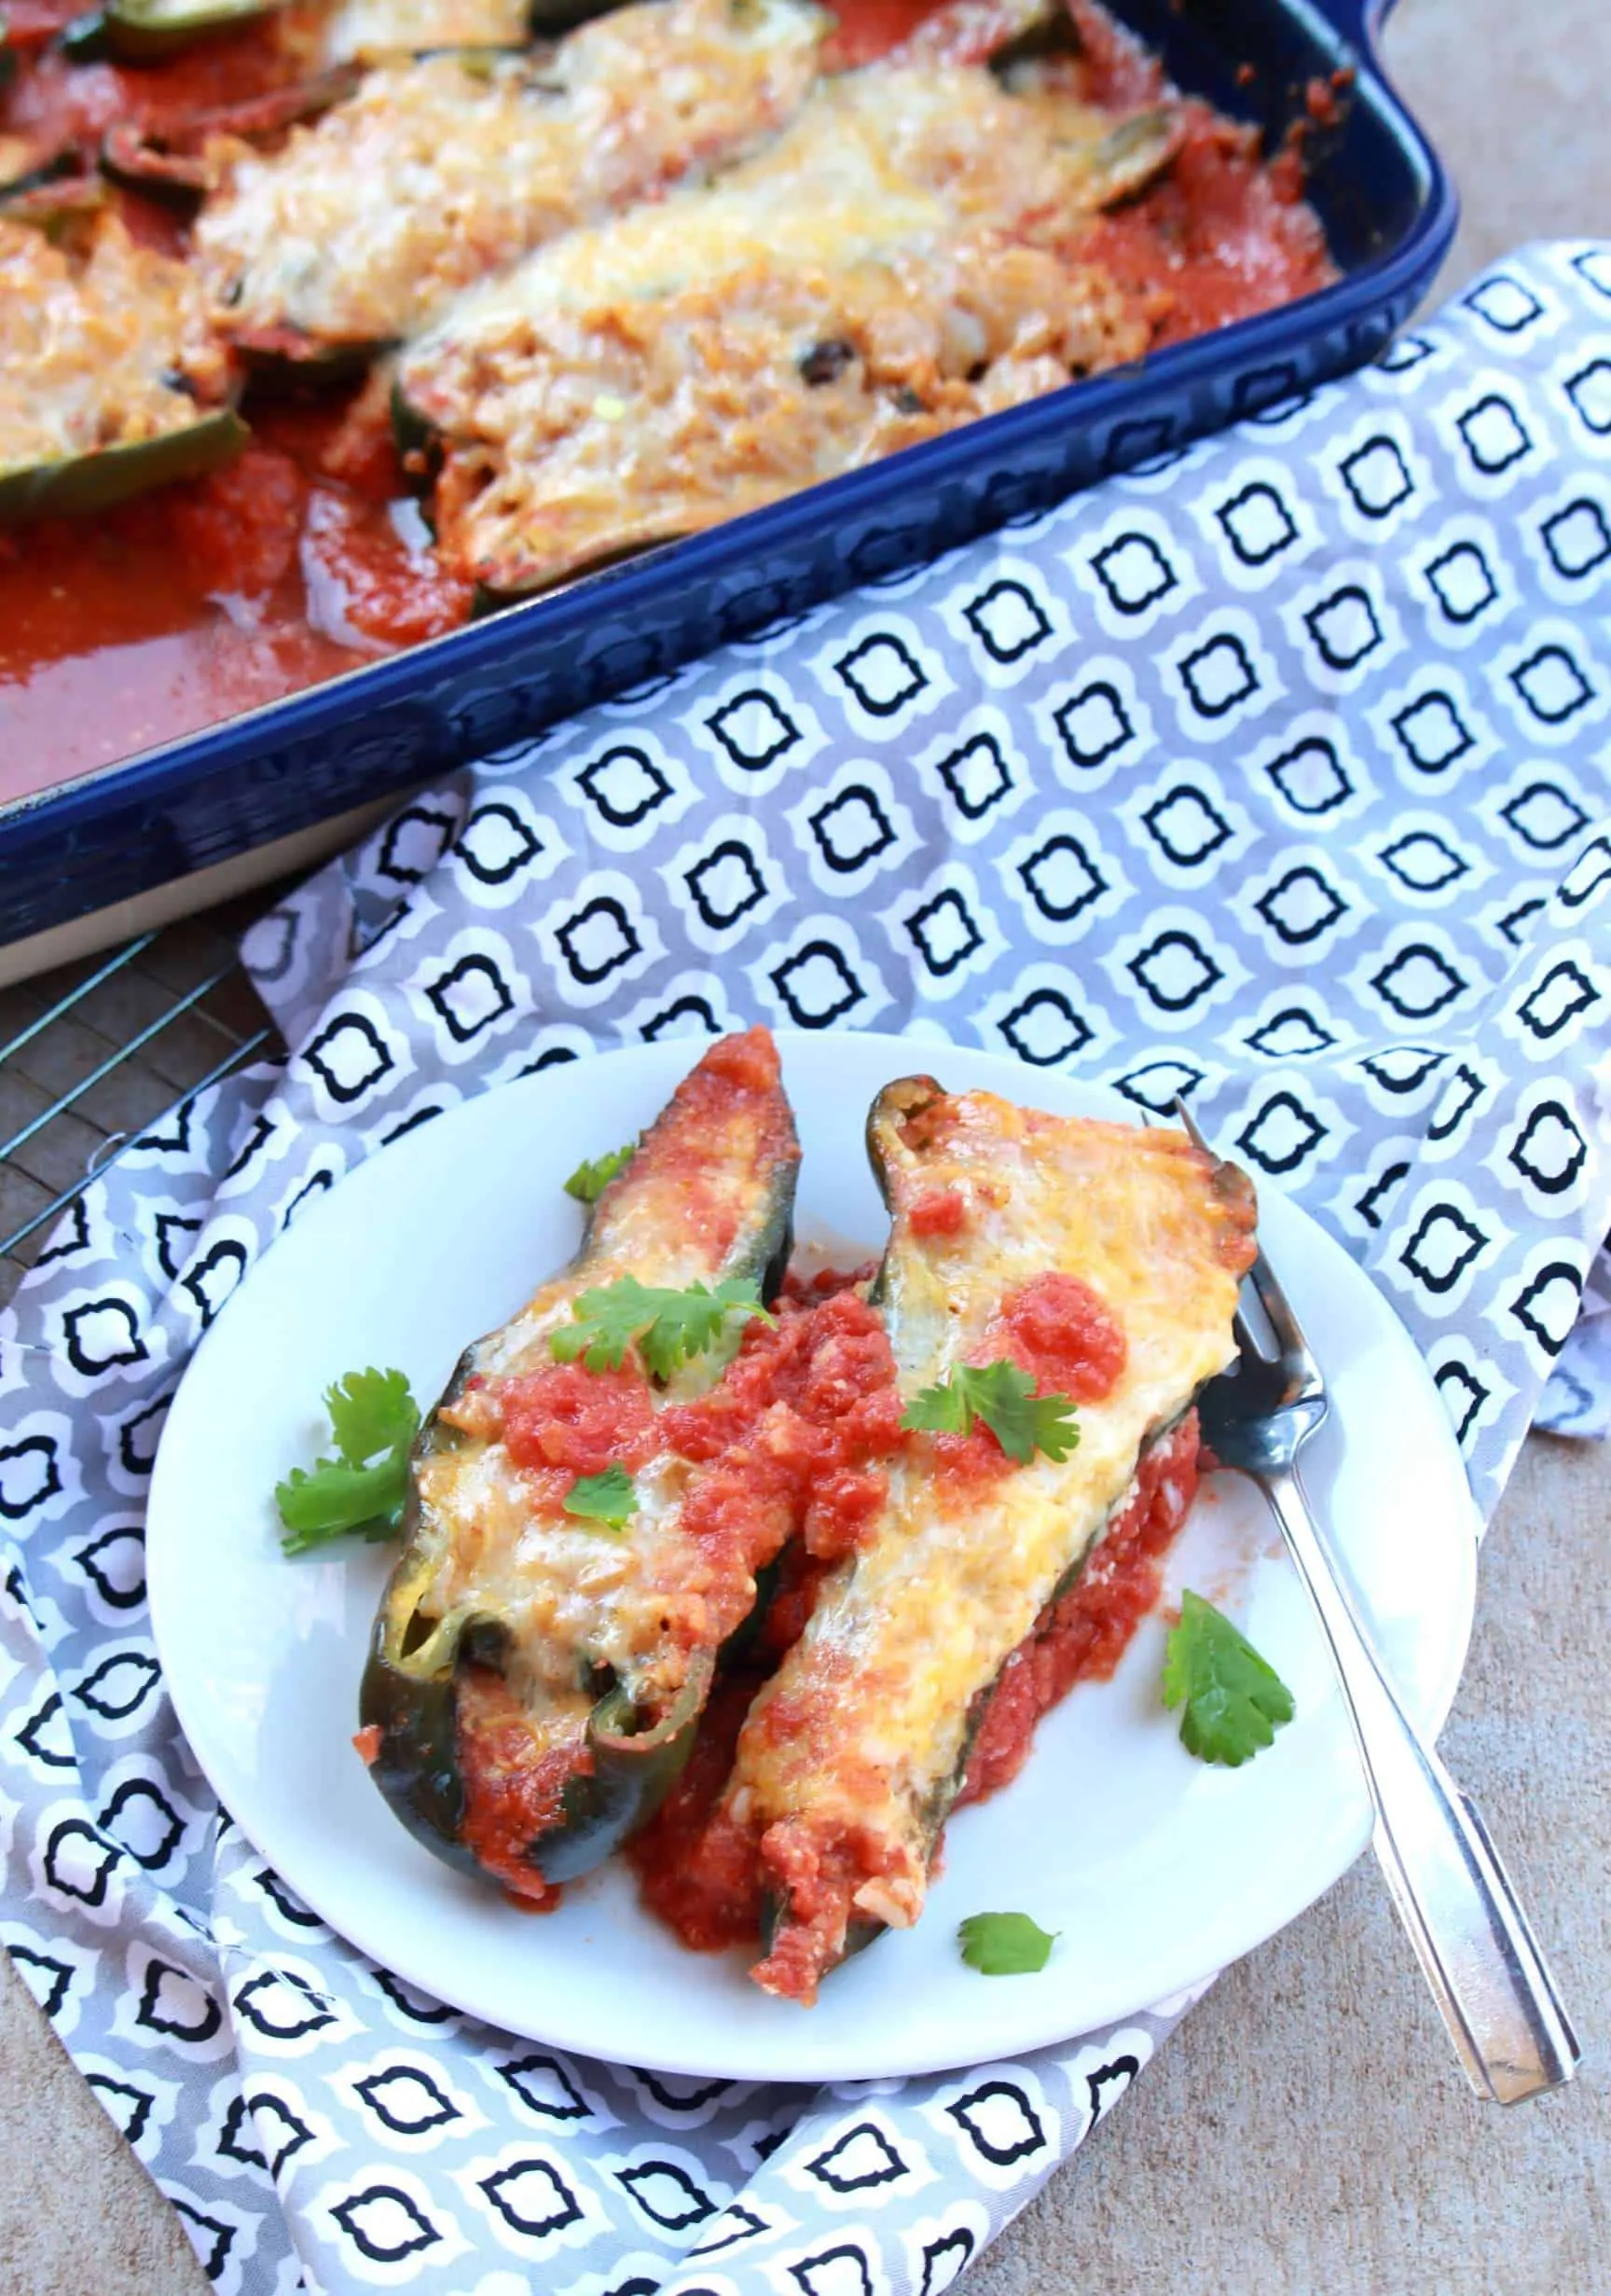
column 1154, row 1869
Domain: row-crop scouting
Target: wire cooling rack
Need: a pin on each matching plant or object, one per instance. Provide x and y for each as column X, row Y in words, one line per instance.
column 96, row 1053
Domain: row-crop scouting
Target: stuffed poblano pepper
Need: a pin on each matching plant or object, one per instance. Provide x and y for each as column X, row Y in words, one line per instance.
column 443, row 170
column 110, row 380
column 907, row 254
column 546, row 1640
column 1055, row 1291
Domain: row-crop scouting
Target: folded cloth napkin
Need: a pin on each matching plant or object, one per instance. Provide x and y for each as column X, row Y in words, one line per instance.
column 1275, row 775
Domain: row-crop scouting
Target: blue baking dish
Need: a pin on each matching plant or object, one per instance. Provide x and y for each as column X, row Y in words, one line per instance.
column 1389, row 211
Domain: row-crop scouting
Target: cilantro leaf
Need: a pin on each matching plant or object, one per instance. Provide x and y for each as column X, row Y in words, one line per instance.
column 336, row 1498
column 1005, row 1944
column 669, row 1326
column 943, row 1410
column 593, row 1175
column 1004, row 1398
column 374, row 1419
column 1234, row 1701
column 610, row 1498
column 371, row 1411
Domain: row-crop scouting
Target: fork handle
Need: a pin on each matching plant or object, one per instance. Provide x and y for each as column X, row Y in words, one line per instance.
column 1480, row 1955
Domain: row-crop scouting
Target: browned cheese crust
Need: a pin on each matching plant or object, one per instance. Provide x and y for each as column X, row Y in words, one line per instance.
column 901, row 260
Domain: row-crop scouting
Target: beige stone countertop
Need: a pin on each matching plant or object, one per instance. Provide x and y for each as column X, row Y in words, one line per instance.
column 1308, row 2131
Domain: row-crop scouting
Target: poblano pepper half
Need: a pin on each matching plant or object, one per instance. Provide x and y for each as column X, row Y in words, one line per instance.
column 121, row 385
column 1100, row 1259
column 536, row 1676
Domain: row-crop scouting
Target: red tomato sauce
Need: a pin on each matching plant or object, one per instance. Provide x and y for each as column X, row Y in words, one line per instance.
column 696, row 1871
column 204, row 599
column 734, row 1094
column 1220, row 238
column 869, row 29
column 135, row 627
column 938, row 1211
column 1062, row 1334
column 789, row 1447
column 52, row 103
column 580, row 1420
column 509, row 1798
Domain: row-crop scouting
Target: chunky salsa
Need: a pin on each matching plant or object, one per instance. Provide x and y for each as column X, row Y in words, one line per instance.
column 312, row 551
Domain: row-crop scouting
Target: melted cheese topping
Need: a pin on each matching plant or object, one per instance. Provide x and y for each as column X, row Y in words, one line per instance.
column 906, row 1637
column 438, row 173
column 571, row 1593
column 892, row 265
column 107, row 345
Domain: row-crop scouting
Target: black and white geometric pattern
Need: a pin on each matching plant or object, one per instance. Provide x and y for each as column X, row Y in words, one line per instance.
column 1278, row 776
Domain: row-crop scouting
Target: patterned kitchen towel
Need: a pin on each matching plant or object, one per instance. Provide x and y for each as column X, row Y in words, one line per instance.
column 1277, row 775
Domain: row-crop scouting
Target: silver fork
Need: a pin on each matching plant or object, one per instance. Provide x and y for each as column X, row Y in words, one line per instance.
column 1473, row 1940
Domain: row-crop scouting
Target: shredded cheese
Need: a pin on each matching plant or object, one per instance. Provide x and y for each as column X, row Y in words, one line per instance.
column 894, row 264
column 103, row 344
column 437, row 173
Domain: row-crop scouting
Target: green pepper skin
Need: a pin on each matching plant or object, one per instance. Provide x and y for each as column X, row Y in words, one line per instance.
column 128, row 34
column 548, row 18
column 53, row 189
column 409, row 1695
column 89, row 483
column 284, row 357
column 632, row 1772
column 895, row 1105
column 413, row 436
column 416, row 1768
column 168, row 163
column 416, row 1712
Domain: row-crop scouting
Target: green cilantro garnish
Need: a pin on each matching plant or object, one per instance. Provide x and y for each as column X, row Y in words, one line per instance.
column 373, row 1419
column 1234, row 1701
column 608, row 1497
column 593, row 1175
column 1004, row 1398
column 667, row 1326
column 1004, row 1945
